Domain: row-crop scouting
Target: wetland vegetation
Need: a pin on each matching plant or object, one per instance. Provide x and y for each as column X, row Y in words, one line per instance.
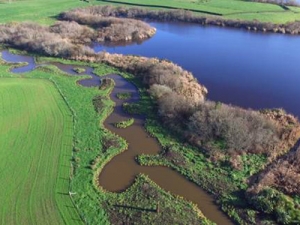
column 247, row 160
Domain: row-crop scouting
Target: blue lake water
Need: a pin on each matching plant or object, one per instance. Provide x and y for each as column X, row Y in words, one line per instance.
column 252, row 70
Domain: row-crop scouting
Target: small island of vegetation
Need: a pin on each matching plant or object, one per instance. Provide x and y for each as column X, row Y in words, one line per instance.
column 125, row 123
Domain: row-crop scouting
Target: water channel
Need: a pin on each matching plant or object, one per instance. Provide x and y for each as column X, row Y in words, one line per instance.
column 121, row 171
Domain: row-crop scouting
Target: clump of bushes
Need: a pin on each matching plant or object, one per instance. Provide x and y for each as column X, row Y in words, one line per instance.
column 109, row 28
column 124, row 96
column 106, row 83
column 132, row 108
column 239, row 129
column 110, row 141
column 68, row 39
column 224, row 130
column 125, row 123
column 79, row 69
column 98, row 102
column 78, row 34
column 39, row 39
column 271, row 201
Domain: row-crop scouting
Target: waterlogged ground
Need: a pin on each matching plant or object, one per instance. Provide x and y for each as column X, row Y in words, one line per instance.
column 120, row 172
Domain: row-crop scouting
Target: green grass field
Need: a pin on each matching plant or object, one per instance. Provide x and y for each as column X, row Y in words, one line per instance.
column 45, row 11
column 35, row 150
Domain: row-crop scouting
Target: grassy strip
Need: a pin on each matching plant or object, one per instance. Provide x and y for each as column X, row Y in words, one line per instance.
column 125, row 123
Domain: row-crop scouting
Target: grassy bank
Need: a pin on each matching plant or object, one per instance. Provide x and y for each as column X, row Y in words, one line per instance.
column 46, row 11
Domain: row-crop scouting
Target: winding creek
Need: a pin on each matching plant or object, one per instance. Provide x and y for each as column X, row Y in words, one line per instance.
column 247, row 69
column 121, row 171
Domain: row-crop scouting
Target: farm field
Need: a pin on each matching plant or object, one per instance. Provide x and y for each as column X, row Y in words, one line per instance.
column 35, row 150
column 45, row 12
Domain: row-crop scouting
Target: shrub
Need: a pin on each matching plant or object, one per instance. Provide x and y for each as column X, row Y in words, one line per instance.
column 273, row 202
column 124, row 96
column 132, row 108
column 242, row 130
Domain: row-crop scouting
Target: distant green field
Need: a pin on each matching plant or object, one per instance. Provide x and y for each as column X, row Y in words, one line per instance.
column 45, row 11
column 36, row 133
column 231, row 9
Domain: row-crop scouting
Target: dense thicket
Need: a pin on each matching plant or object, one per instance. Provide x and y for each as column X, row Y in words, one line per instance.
column 226, row 130
column 40, row 39
column 110, row 28
column 66, row 39
column 181, row 16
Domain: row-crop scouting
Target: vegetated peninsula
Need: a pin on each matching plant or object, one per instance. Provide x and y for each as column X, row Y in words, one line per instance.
column 246, row 159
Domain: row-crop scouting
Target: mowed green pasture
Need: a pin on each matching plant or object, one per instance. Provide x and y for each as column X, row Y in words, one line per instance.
column 230, row 9
column 36, row 134
column 45, row 11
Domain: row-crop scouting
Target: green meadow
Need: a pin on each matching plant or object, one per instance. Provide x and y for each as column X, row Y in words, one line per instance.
column 35, row 150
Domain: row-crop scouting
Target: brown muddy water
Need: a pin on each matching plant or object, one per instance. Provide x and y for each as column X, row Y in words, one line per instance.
column 120, row 172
